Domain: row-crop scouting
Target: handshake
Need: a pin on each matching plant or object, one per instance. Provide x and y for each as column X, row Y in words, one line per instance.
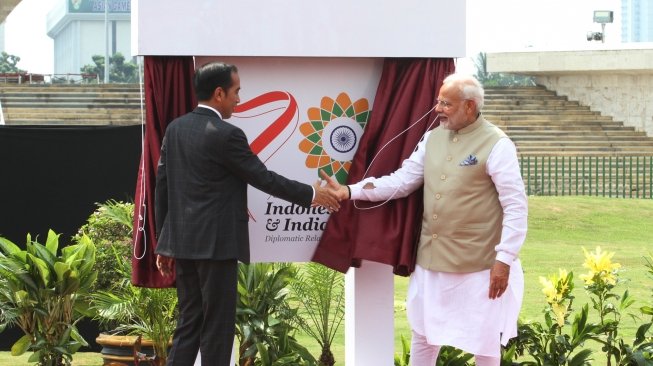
column 329, row 193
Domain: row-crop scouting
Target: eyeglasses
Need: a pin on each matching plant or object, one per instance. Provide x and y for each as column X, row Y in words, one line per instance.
column 443, row 104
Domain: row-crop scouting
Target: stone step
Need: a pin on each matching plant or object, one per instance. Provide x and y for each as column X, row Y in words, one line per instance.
column 535, row 107
column 7, row 99
column 36, row 88
column 581, row 151
column 645, row 145
column 44, row 112
column 543, row 124
column 529, row 100
column 79, row 104
column 81, row 122
column 75, row 116
column 516, row 90
column 587, row 137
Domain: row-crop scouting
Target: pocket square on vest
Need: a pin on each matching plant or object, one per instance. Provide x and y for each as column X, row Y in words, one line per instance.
column 470, row 160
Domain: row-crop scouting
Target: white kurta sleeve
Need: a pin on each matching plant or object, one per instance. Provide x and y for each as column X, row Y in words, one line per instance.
column 503, row 167
column 399, row 184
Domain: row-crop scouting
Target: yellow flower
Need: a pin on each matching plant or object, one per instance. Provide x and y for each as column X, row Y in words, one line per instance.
column 548, row 289
column 563, row 284
column 555, row 288
column 601, row 268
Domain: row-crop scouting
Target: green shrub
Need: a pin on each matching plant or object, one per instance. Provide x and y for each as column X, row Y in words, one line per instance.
column 44, row 291
column 110, row 229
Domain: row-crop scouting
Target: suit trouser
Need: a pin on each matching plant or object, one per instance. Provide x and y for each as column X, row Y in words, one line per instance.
column 207, row 294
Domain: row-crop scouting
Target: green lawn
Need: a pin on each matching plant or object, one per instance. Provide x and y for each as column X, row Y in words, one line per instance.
column 559, row 227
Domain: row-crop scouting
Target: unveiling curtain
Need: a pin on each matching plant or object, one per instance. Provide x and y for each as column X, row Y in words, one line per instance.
column 388, row 234
column 169, row 94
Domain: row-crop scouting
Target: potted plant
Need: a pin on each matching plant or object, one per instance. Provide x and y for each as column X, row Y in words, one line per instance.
column 126, row 312
column 44, row 291
column 146, row 312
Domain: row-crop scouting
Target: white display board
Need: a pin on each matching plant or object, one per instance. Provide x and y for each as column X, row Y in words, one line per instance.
column 299, row 114
column 299, row 28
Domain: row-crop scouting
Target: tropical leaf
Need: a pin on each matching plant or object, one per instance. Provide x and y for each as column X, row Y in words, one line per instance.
column 8, row 248
column 52, row 242
column 581, row 358
column 21, row 346
column 41, row 268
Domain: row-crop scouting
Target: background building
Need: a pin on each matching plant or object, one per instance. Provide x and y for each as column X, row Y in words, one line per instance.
column 6, row 6
column 637, row 21
column 78, row 28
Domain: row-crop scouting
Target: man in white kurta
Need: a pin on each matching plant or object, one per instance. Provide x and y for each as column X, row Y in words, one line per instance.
column 467, row 287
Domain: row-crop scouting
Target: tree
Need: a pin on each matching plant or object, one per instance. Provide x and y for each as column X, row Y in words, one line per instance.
column 497, row 78
column 8, row 63
column 321, row 292
column 119, row 70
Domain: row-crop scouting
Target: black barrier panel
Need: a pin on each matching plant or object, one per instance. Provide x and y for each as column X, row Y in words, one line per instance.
column 52, row 177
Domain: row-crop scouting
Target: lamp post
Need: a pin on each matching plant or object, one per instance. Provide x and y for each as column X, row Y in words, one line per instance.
column 106, row 41
column 602, row 17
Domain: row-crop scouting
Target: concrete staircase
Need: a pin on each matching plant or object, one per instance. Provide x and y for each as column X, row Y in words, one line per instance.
column 567, row 149
column 544, row 124
column 540, row 122
column 94, row 105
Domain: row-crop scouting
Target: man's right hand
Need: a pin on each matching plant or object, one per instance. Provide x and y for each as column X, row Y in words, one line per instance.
column 325, row 197
column 341, row 192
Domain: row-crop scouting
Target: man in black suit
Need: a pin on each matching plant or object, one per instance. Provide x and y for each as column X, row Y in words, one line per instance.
column 201, row 214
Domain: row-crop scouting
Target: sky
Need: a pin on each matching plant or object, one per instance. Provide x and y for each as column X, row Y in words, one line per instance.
column 492, row 26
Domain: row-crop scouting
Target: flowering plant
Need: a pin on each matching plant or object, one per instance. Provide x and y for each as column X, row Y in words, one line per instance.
column 557, row 342
column 600, row 280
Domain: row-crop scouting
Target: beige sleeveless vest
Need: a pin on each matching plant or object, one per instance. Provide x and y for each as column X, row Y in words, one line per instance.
column 462, row 220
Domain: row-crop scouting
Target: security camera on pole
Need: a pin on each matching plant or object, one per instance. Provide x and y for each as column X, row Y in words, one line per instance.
column 602, row 17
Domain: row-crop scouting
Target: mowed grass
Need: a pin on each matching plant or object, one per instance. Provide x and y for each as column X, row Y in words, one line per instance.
column 559, row 229
column 79, row 359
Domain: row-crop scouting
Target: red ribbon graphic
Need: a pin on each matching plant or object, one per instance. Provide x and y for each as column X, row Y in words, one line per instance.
column 276, row 127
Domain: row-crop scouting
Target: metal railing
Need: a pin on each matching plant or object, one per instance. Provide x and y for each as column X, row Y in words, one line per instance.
column 608, row 176
column 67, row 78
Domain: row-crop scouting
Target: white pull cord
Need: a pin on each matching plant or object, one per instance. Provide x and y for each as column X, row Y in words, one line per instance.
column 142, row 208
column 384, row 146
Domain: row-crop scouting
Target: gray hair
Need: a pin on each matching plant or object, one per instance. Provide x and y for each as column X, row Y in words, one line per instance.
column 470, row 88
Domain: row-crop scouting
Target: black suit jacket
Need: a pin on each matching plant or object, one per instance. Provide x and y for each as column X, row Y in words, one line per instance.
column 201, row 188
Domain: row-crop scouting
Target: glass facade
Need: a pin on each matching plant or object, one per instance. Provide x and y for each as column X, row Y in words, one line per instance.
column 637, row 21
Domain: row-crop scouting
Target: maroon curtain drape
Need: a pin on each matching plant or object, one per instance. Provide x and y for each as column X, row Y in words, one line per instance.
column 169, row 94
column 407, row 90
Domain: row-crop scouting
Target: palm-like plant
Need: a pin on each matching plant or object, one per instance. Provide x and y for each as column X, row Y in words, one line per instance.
column 46, row 294
column 322, row 295
column 264, row 318
column 149, row 312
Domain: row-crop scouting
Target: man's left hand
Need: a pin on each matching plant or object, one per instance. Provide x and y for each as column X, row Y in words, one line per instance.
column 165, row 265
column 499, row 274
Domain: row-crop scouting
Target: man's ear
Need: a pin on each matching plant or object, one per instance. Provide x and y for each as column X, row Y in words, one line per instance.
column 471, row 104
column 218, row 93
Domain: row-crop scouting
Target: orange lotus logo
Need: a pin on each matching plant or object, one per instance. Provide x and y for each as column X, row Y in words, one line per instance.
column 332, row 134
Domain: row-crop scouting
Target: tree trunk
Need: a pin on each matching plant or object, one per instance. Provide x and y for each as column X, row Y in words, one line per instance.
column 326, row 358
